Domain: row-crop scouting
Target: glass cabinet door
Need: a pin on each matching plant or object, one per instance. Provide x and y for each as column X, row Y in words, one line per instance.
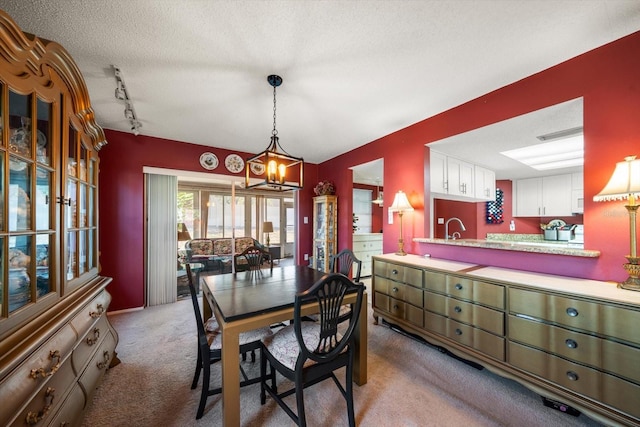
column 324, row 231
column 27, row 224
column 80, row 217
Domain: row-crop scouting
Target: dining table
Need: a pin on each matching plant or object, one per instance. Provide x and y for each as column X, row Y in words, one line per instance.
column 248, row 300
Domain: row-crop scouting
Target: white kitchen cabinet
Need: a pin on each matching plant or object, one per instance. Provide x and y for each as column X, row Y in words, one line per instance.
column 460, row 176
column 365, row 246
column 438, row 173
column 577, row 192
column 455, row 179
column 485, row 183
column 548, row 196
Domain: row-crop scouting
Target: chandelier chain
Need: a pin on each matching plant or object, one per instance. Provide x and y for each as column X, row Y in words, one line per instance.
column 274, row 132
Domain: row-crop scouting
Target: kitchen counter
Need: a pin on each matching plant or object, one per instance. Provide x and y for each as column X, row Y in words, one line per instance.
column 555, row 248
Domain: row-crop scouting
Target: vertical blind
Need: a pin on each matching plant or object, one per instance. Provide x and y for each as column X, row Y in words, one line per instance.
column 162, row 239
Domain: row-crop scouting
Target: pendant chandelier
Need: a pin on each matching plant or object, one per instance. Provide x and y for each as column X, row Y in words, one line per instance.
column 282, row 170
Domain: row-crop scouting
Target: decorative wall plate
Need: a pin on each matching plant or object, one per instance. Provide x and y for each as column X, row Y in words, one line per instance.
column 209, row 161
column 234, row 163
column 257, row 168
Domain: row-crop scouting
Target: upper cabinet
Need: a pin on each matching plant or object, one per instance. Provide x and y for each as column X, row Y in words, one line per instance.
column 455, row 179
column 548, row 196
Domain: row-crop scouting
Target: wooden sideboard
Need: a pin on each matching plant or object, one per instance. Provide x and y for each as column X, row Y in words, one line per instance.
column 571, row 340
column 55, row 339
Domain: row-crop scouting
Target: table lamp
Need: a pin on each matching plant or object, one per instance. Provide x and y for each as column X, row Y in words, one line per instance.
column 401, row 205
column 625, row 185
column 267, row 227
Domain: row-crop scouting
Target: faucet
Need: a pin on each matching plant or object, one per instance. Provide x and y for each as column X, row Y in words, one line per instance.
column 455, row 235
column 446, row 227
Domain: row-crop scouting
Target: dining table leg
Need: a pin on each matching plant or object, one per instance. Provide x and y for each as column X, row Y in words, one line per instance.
column 360, row 346
column 230, row 374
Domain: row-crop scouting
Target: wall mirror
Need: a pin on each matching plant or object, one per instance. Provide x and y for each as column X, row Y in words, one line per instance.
column 483, row 146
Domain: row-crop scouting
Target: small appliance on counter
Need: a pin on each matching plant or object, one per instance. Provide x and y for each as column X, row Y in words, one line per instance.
column 566, row 232
column 553, row 228
column 578, row 236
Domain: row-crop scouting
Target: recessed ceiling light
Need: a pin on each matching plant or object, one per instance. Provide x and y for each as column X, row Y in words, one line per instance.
column 564, row 149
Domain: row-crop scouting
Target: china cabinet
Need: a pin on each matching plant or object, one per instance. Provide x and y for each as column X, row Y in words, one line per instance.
column 55, row 339
column 325, row 236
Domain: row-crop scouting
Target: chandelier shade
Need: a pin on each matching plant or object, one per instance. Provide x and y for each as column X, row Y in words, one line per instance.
column 282, row 171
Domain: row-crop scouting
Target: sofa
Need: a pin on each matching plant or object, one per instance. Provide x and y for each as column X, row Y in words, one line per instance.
column 216, row 254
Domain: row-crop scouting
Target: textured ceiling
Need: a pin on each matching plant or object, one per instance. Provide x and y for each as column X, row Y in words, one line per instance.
column 353, row 71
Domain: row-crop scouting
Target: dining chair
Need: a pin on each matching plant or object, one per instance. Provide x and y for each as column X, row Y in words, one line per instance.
column 210, row 348
column 254, row 257
column 307, row 353
column 343, row 262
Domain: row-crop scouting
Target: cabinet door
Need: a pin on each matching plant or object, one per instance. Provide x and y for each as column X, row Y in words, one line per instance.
column 438, row 173
column 460, row 176
column 485, row 183
column 528, row 197
column 556, row 195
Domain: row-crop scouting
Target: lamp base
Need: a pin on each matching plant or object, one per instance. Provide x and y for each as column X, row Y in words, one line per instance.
column 401, row 252
column 633, row 281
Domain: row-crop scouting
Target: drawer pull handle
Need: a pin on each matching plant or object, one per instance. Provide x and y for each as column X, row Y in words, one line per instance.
column 394, row 289
column 458, row 286
column 572, row 312
column 458, row 331
column 92, row 340
column 572, row 376
column 35, row 417
column 571, row 343
column 105, row 362
column 394, row 271
column 457, row 309
column 96, row 314
column 42, row 372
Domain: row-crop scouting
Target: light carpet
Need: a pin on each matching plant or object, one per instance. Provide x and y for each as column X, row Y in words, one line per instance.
column 409, row 384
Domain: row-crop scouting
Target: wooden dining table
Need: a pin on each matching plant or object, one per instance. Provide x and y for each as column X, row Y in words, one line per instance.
column 249, row 300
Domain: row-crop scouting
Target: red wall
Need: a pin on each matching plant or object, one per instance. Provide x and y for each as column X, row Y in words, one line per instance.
column 607, row 78
column 122, row 204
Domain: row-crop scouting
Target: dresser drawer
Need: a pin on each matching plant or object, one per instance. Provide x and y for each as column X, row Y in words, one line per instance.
column 476, row 291
column 399, row 309
column 399, row 291
column 70, row 413
column 88, row 344
column 381, row 301
column 98, row 365
column 47, row 360
column 367, row 245
column 609, row 356
column 475, row 315
column 90, row 313
column 43, row 405
column 469, row 336
column 398, row 273
column 435, row 281
column 589, row 382
column 600, row 318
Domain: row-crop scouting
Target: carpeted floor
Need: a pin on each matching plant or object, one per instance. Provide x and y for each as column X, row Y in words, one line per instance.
column 409, row 384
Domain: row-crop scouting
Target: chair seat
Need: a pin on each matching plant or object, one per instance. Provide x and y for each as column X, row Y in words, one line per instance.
column 283, row 345
column 214, row 337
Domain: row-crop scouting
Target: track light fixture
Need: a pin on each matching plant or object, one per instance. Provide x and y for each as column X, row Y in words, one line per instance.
column 122, row 94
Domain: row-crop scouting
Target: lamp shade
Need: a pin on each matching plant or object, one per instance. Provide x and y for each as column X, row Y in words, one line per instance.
column 267, row 227
column 183, row 233
column 624, row 182
column 401, row 203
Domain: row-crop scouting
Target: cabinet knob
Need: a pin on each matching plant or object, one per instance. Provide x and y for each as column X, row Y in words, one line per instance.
column 571, row 343
column 394, row 271
column 458, row 331
column 572, row 312
column 572, row 376
column 395, row 306
column 395, row 289
column 458, row 286
column 457, row 309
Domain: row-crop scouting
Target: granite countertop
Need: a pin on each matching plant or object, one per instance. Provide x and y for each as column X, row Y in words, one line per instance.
column 541, row 247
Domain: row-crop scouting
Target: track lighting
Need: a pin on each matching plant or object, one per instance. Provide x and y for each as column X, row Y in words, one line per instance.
column 122, row 94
